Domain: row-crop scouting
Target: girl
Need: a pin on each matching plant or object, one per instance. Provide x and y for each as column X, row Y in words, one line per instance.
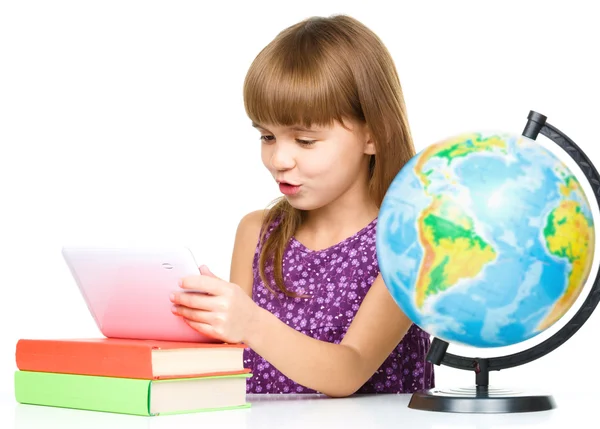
column 305, row 294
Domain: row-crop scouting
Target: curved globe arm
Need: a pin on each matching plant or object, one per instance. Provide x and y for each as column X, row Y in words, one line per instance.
column 536, row 124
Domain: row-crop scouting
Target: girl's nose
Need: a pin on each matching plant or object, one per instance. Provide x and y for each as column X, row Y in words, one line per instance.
column 283, row 158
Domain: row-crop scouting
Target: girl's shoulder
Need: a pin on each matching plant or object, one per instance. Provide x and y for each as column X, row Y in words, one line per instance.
column 251, row 225
column 246, row 236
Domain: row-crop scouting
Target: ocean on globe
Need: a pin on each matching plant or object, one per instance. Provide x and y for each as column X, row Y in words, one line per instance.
column 485, row 239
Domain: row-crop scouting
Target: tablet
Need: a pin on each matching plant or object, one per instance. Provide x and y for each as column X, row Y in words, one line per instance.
column 127, row 290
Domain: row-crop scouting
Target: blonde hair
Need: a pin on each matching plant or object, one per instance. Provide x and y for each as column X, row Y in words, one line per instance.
column 321, row 70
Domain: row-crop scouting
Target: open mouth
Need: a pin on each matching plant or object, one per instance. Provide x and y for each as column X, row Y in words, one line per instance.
column 288, row 189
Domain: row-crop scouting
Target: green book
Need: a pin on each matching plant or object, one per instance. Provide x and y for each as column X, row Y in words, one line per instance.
column 131, row 396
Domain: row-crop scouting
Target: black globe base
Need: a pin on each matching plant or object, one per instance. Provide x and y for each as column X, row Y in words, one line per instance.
column 482, row 399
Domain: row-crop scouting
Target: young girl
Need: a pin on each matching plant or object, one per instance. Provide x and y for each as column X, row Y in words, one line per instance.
column 305, row 294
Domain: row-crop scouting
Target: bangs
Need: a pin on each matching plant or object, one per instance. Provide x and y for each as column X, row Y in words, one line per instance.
column 286, row 87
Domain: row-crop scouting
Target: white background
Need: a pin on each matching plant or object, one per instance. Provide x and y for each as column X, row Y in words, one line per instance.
column 122, row 122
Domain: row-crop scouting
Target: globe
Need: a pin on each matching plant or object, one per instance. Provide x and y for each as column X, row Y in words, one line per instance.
column 485, row 239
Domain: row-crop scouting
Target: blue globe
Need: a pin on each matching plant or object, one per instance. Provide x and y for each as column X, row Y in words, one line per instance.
column 485, row 239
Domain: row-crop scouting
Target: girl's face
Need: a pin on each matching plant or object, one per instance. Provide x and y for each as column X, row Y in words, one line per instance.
column 314, row 167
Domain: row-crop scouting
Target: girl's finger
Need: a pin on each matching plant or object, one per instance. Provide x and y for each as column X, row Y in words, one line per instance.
column 192, row 314
column 203, row 328
column 194, row 300
column 204, row 270
column 205, row 284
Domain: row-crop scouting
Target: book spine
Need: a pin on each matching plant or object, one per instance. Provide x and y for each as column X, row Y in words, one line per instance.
column 85, row 358
column 83, row 392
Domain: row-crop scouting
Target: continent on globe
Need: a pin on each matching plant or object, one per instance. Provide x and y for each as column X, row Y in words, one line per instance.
column 455, row 148
column 570, row 235
column 452, row 248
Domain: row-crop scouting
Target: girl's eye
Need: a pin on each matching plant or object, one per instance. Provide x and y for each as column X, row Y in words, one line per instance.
column 306, row 142
column 268, row 138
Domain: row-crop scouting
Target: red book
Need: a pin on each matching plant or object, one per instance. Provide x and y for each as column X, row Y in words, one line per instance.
column 141, row 359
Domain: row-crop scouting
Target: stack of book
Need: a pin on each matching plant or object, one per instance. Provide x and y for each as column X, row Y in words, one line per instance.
column 140, row 377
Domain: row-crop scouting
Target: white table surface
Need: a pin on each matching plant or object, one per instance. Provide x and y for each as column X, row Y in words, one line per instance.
column 308, row 412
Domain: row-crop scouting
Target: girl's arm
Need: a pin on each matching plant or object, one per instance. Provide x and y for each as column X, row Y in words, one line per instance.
column 335, row 370
column 227, row 312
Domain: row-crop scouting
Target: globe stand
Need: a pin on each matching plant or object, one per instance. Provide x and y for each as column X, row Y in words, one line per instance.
column 478, row 399
column 481, row 398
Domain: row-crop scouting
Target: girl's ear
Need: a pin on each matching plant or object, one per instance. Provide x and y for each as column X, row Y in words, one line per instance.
column 370, row 147
column 369, row 143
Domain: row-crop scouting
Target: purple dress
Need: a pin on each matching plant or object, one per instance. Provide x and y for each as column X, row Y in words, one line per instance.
column 337, row 279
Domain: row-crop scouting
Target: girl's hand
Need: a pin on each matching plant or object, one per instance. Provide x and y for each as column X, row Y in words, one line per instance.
column 224, row 311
